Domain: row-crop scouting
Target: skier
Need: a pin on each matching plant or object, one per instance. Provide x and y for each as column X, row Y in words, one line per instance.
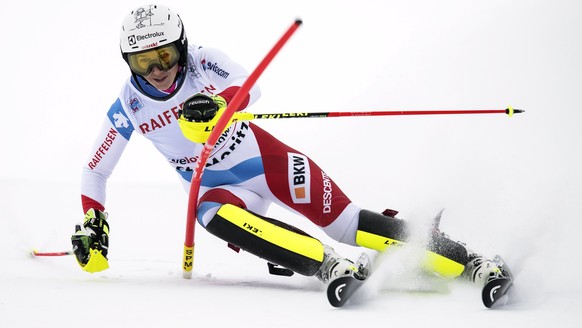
column 175, row 95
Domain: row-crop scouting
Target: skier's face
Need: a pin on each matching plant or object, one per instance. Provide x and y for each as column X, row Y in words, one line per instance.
column 158, row 66
column 162, row 80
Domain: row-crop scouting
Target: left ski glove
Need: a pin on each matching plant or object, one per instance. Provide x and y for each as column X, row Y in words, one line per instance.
column 91, row 242
column 199, row 116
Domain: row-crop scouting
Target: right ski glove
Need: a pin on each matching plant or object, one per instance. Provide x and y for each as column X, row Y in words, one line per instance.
column 91, row 242
column 199, row 116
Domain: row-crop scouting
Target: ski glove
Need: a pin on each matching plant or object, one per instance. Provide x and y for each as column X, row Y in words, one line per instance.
column 199, row 116
column 91, row 241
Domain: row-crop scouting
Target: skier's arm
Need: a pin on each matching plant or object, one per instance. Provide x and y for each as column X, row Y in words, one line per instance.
column 91, row 239
column 105, row 153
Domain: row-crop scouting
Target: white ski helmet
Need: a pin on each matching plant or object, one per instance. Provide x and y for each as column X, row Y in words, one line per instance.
column 152, row 26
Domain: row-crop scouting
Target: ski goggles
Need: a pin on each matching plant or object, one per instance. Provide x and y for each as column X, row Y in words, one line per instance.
column 163, row 58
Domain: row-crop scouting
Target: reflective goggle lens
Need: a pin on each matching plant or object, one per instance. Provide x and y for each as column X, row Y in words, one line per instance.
column 164, row 58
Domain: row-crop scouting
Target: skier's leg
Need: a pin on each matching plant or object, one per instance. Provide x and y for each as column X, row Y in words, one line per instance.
column 269, row 239
column 299, row 184
column 444, row 256
column 277, row 242
column 377, row 231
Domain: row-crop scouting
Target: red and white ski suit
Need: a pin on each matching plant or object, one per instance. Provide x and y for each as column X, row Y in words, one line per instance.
column 248, row 166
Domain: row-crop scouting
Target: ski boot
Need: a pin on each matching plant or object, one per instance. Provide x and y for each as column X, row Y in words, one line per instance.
column 493, row 275
column 342, row 276
column 335, row 266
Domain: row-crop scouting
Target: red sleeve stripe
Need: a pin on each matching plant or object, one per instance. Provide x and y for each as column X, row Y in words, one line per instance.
column 89, row 203
column 229, row 93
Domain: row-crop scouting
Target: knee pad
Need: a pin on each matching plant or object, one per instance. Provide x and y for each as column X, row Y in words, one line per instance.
column 272, row 240
column 379, row 232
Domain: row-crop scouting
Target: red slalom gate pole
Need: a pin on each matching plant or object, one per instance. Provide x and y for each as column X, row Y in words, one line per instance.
column 188, row 259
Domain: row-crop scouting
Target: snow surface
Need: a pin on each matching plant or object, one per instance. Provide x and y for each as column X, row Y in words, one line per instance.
column 510, row 186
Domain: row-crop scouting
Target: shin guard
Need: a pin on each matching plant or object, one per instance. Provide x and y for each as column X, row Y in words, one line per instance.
column 443, row 256
column 267, row 238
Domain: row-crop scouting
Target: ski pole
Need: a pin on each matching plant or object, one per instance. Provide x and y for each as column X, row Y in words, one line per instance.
column 509, row 111
column 188, row 259
column 63, row 253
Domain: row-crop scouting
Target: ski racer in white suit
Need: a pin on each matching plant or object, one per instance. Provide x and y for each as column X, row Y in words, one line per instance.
column 174, row 96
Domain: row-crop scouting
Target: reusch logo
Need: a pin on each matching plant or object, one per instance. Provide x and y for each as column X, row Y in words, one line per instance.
column 299, row 178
